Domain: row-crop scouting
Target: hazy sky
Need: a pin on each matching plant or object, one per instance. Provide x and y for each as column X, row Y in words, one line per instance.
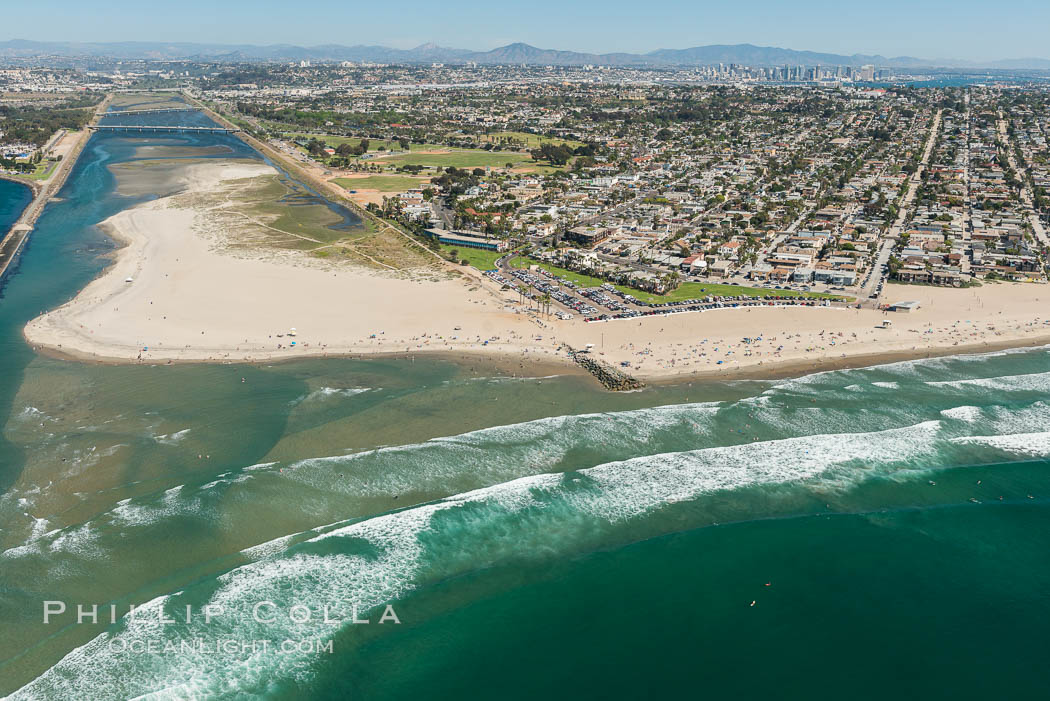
column 968, row 29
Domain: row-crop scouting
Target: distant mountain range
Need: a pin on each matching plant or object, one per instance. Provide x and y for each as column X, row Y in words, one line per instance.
column 518, row 53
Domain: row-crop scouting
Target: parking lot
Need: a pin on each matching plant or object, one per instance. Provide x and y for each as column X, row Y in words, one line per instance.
column 606, row 303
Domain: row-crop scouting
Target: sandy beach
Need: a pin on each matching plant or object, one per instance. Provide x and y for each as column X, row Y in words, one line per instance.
column 174, row 294
column 798, row 340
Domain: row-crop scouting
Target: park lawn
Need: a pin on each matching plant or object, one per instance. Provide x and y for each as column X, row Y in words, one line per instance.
column 576, row 278
column 373, row 144
column 531, row 140
column 697, row 290
column 539, row 168
column 479, row 258
column 42, row 171
column 686, row 290
column 383, row 183
column 458, row 158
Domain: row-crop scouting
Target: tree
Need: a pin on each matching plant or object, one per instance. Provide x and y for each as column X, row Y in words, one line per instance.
column 557, row 155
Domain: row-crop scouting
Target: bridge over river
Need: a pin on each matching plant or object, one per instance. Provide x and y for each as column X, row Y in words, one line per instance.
column 148, row 128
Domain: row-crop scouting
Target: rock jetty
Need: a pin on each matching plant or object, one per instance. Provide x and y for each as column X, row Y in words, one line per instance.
column 612, row 378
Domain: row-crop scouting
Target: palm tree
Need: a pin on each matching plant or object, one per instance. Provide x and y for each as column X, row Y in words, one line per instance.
column 547, row 303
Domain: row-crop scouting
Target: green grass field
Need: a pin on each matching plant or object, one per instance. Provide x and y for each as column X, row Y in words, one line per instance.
column 687, row 290
column 530, row 140
column 540, row 168
column 458, row 158
column 42, row 171
column 696, row 290
column 455, row 157
column 383, row 183
column 480, row 259
column 373, row 144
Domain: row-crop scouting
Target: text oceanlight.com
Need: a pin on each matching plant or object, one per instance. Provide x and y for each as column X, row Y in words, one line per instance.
column 227, row 646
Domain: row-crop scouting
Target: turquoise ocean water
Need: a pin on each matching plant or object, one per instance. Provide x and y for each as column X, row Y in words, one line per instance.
column 867, row 533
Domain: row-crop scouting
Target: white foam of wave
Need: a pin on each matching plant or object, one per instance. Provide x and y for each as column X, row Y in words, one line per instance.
column 330, row 392
column 40, row 527
column 38, row 530
column 337, row 392
column 506, row 378
column 828, row 379
column 31, row 413
column 330, row 578
column 172, row 438
column 499, row 453
column 85, row 539
column 1000, row 420
column 1033, row 445
column 543, row 505
column 632, row 487
column 1030, row 382
column 1004, row 420
column 128, row 513
column 916, row 369
column 802, row 384
column 813, row 419
column 270, row 547
column 919, row 367
column 518, row 514
column 80, row 540
column 452, row 463
column 967, row 413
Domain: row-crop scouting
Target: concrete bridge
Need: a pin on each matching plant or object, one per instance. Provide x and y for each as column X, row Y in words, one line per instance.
column 151, row 111
column 146, row 128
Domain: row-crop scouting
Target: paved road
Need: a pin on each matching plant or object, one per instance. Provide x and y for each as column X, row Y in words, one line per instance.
column 870, row 285
column 916, row 178
column 877, row 275
column 1026, row 192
